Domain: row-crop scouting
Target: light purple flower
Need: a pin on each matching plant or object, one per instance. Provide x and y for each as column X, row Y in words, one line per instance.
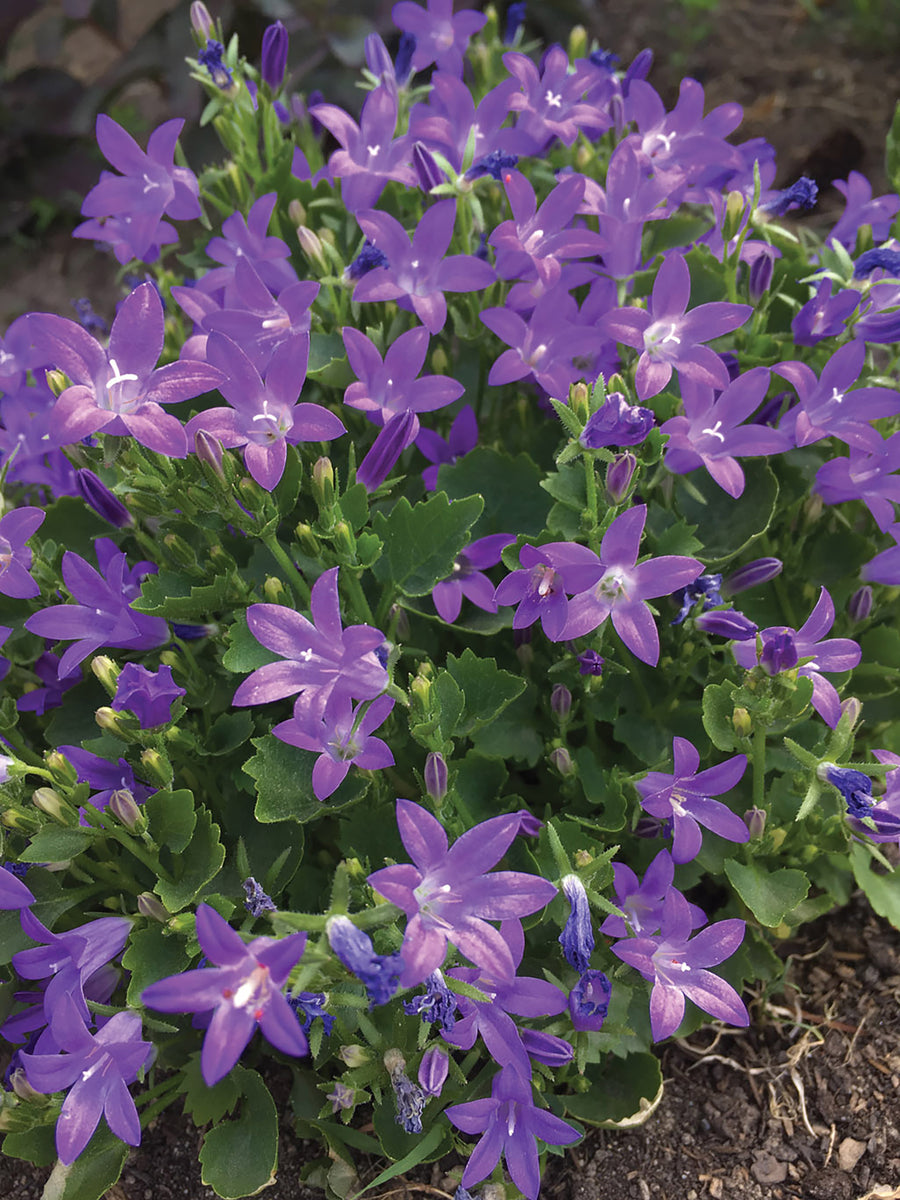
column 669, row 337
column 509, row 1123
column 589, row 1001
column 539, row 588
column 387, row 387
column 319, row 655
column 536, row 240
column 448, row 896
column 370, row 155
column 823, row 315
column 16, row 527
column 96, row 1068
column 248, row 239
column 675, row 964
column 783, row 648
column 149, row 696
column 108, row 777
column 870, row 477
column 243, row 991
column 119, row 390
column 441, row 37
column 468, row 579
column 642, row 900
column 462, row 438
column 885, row 567
column 625, row 585
column 417, row 274
column 549, row 102
column 450, row 125
column 340, row 737
column 861, row 210
column 103, row 615
column 629, row 201
column 684, row 798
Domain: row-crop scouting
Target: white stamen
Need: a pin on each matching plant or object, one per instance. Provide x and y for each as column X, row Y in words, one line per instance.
column 714, row 432
column 553, row 99
column 117, row 378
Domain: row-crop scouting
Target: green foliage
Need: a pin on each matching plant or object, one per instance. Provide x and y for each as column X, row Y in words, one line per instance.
column 283, row 777
column 421, row 541
column 770, row 895
column 239, row 1155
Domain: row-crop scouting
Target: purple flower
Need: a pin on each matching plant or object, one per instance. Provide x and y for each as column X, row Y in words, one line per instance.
column 854, row 786
column 256, row 901
column 367, row 260
column 419, row 273
column 379, row 972
column 95, row 493
column 783, row 648
column 387, row 387
column 642, row 900
column 536, row 240
column 13, row 892
column 577, row 937
column 308, row 1006
column 274, row 55
column 441, row 37
column 549, row 102
column 15, row 557
column 399, row 431
column 539, row 588
column 870, row 477
column 243, row 991
column 119, row 390
column 320, row 654
column 103, row 616
column 149, row 696
column 590, row 663
column 589, row 1001
column 711, row 432
column 340, row 737
column 669, row 337
column 246, row 239
column 468, row 579
column 509, row 1123
column 438, row 1005
column 885, row 567
column 823, row 315
column 41, row 699
column 448, row 896
column 752, row 574
column 211, row 57
column 462, row 438
column 861, row 210
column 704, row 588
column 675, row 964
column 727, row 623
column 802, row 194
column 370, row 155
column 616, row 423
column 433, row 1070
column 625, row 585
column 264, row 415
column 685, row 798
column 630, row 200
column 409, row 1099
column 97, row 1068
column 148, row 186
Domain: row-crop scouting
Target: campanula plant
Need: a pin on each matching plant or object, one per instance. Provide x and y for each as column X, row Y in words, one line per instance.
column 447, row 616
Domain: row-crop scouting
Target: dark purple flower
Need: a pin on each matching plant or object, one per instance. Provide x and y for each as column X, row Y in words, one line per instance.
column 515, row 19
column 379, row 972
column 435, row 776
column 802, row 194
column 675, row 964
column 590, row 663
column 340, row 738
column 449, row 896
column 783, row 648
column 96, row 1068
column 752, row 574
column 509, row 1123
column 468, row 579
column 149, row 696
column 616, row 423
column 685, row 798
column 727, row 623
column 540, row 587
column 437, row 1006
column 878, row 259
column 243, row 991
column 256, row 901
column 16, row 527
column 854, row 786
column 274, row 55
column 705, row 589
column 95, row 493
column 441, row 37
column 589, row 1001
column 41, row 699
column 367, row 260
column 108, row 777
column 577, row 937
column 462, row 438
column 308, row 1006
column 211, row 57
column 409, row 1099
column 497, row 164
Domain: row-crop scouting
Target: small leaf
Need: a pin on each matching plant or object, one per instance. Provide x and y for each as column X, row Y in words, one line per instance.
column 239, row 1156
column 195, row 867
column 172, row 818
column 152, row 954
column 768, row 894
column 206, row 1103
column 284, row 789
column 421, row 541
column 56, row 845
column 487, row 689
column 92, row 1173
column 513, row 499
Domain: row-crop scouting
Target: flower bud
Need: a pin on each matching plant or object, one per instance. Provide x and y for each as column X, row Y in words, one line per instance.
column 734, row 212
column 727, row 623
column 323, row 483
column 619, row 475
column 201, row 21
column 760, row 277
column 209, row 452
column 546, row 1048
column 755, row 820
column 399, row 622
column 344, row 541
column 149, row 906
column 23, row 1089
column 428, row 174
column 589, row 1001
column 274, row 55
column 51, row 803
column 273, row 589
column 590, row 663
column 57, row 381
column 433, row 1071
column 562, row 760
column 561, row 703
column 860, row 604
column 742, row 723
column 354, row 1056
column 60, row 768
column 312, row 248
column 851, row 708
column 106, row 671
column 156, row 769
column 436, row 777
column 753, row 574
column 296, row 210
column 309, row 543
column 578, row 42
column 398, row 431
column 440, row 363
column 123, row 807
column 95, row 493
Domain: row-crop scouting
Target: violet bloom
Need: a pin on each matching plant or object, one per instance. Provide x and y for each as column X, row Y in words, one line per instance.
column 15, row 557
column 589, row 1001
column 450, row 125
column 630, row 199
column 387, row 387
column 885, row 567
column 119, row 390
column 509, row 1123
column 462, row 438
column 247, row 239
column 669, row 337
column 96, row 1068
column 861, row 210
column 149, row 696
column 467, row 578
column 823, row 315
column 549, row 102
column 870, row 477
column 711, row 432
column 103, row 615
column 417, row 274
column 398, row 432
column 243, row 991
column 264, row 414
column 642, row 900
column 448, row 895
column 41, row 699
column 319, row 655
column 625, row 585
column 438, row 1005
column 13, row 892
column 274, row 55
column 370, row 155
column 340, row 737
column 379, row 972
column 684, row 798
column 675, row 964
column 828, row 408
column 148, row 186
column 441, row 37
column 616, row 423
column 539, row 588
column 784, row 648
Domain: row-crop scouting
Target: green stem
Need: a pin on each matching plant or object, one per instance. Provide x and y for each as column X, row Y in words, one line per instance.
column 759, row 767
column 295, row 580
column 354, row 587
column 590, row 482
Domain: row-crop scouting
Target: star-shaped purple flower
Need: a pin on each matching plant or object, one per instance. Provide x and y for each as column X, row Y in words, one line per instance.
column 147, row 694
column 468, row 579
column 370, row 154
column 539, row 588
column 339, row 738
column 386, row 387
column 441, row 37
column 642, row 900
column 15, row 556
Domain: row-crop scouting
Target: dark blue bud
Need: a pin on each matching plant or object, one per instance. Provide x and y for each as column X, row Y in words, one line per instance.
column 854, row 786
column 872, row 260
column 256, row 902
column 95, row 493
column 274, row 55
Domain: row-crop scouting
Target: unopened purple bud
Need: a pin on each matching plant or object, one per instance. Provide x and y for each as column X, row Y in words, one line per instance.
column 854, row 786
column 274, row 55
column 149, row 906
column 728, row 624
column 562, row 760
column 256, row 901
column 590, row 663
column 753, row 574
column 515, row 19
column 755, row 820
column 378, row 59
column 860, row 604
column 561, row 703
column 652, row 827
column 398, row 432
column 616, row 423
column 209, row 451
column 433, row 1071
column 577, row 937
column 436, row 777
column 123, row 807
column 546, row 1048
column 779, row 653
column 403, row 62
column 872, row 260
column 201, row 21
column 428, row 174
column 95, row 493
column 760, row 277
column 619, row 475
column 367, row 260
column 589, row 1001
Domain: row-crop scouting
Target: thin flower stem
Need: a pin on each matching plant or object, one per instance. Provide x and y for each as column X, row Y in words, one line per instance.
column 590, row 482
column 354, row 587
column 759, row 767
column 295, row 580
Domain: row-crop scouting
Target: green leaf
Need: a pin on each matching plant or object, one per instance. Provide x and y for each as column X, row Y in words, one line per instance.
column 37, row 1145
column 284, row 790
column 603, row 790
column 421, row 542
column 153, row 953
column 195, row 867
column 768, row 894
column 487, row 689
column 92, row 1173
column 450, row 703
column 512, row 735
column 206, row 1103
column 513, row 499
column 624, row 1092
column 72, row 524
column 726, row 525
column 244, row 653
column 239, row 1156
column 571, row 423
column 328, row 360
column 228, row 731
column 883, row 891
column 718, row 710
column 568, row 487
column 172, row 818
column 174, row 597
column 55, row 845
column 408, row 1149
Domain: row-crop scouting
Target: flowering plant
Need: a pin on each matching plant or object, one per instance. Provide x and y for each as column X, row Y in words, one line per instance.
column 447, row 622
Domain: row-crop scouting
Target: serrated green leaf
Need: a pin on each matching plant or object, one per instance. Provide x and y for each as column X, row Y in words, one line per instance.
column 883, row 891
column 328, row 360
column 572, row 425
column 602, row 790
column 195, row 866
column 283, row 776
column 513, row 499
column 175, row 598
column 421, row 541
column 172, row 818
column 727, row 525
column 718, row 711
column 72, row 524
column 244, row 653
column 768, row 894
column 37, row 1145
column 450, row 703
column 227, row 732
column 152, row 954
column 56, row 845
column 239, row 1156
column 487, row 689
